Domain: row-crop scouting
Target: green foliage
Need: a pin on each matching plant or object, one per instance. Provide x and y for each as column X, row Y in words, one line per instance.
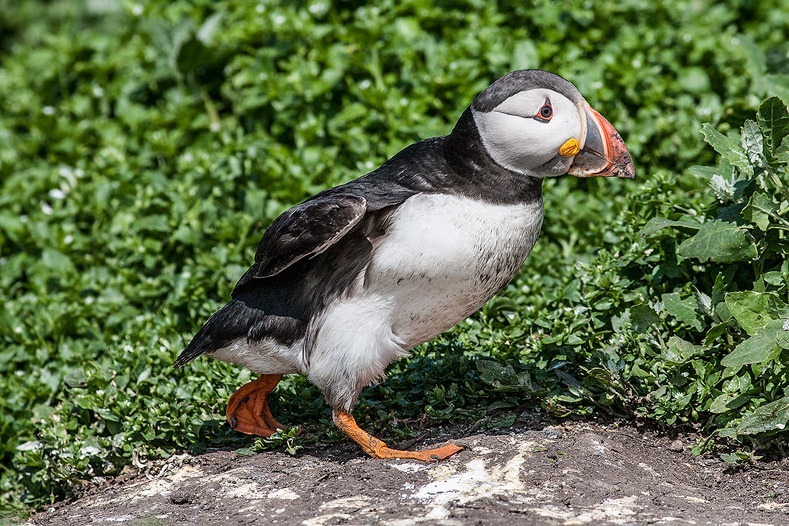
column 145, row 146
column 687, row 321
column 756, row 204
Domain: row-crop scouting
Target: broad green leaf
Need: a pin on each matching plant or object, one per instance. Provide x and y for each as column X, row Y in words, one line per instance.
column 703, row 172
column 720, row 241
column 724, row 187
column 728, row 432
column 728, row 401
column 759, row 209
column 753, row 144
column 206, row 33
column 679, row 351
column 685, row 310
column 774, row 278
column 774, row 122
column 721, row 401
column 643, row 318
column 503, row 377
column 768, row 417
column 782, row 336
column 755, row 349
column 659, row 223
column 727, row 148
column 756, row 60
column 754, row 310
column 730, row 458
column 714, row 333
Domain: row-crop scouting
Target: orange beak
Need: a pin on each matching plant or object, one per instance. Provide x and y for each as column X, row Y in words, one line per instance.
column 604, row 154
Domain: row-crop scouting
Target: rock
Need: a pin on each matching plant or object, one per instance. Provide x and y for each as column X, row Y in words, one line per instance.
column 676, row 445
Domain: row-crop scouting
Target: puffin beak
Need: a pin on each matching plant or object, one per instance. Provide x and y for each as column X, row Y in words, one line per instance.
column 604, row 153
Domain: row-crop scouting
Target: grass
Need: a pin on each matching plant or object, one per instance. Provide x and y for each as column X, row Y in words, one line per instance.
column 144, row 147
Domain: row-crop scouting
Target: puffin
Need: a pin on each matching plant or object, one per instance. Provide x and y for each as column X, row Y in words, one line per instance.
column 355, row 277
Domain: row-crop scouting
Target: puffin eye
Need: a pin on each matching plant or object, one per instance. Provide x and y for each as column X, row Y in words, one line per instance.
column 545, row 113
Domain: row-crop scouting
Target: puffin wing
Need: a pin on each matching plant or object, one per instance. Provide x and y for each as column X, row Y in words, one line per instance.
column 304, row 231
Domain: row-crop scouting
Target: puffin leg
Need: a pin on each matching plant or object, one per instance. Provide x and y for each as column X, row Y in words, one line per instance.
column 247, row 410
column 378, row 449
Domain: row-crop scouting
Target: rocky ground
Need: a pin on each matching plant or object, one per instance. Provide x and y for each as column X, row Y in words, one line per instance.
column 569, row 474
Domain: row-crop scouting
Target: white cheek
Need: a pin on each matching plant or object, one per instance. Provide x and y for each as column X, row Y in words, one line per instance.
column 523, row 144
column 517, row 143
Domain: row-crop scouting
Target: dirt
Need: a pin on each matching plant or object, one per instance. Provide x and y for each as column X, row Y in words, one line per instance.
column 568, row 474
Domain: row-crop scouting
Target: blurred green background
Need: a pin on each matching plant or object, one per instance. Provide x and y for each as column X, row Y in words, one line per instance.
column 145, row 147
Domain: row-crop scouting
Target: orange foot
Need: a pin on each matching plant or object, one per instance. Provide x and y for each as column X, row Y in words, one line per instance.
column 378, row 449
column 248, row 412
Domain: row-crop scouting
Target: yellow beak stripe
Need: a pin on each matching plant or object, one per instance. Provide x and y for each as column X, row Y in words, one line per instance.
column 570, row 148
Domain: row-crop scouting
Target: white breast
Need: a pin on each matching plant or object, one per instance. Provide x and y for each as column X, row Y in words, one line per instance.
column 445, row 256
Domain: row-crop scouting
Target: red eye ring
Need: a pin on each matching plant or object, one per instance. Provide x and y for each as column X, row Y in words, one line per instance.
column 545, row 113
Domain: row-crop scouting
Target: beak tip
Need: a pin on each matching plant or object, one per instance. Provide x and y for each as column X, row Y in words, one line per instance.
column 623, row 166
column 605, row 153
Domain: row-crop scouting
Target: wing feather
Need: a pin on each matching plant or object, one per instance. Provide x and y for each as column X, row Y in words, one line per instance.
column 304, row 231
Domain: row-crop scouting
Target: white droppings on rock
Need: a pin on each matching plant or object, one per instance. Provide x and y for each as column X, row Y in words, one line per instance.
column 348, row 502
column 159, row 486
column 409, row 467
column 283, row 494
column 610, row 511
column 479, row 480
column 244, row 490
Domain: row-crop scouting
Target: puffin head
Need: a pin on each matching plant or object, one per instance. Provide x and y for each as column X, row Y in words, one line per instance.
column 538, row 124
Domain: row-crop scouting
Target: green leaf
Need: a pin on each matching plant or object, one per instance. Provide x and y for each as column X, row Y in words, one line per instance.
column 782, row 336
column 75, row 377
column 759, row 209
column 753, row 144
column 714, row 333
column 720, row 241
column 754, row 310
column 768, row 417
column 643, row 318
column 659, row 223
column 703, row 172
column 685, row 310
column 774, row 122
column 755, row 349
column 503, row 377
column 721, row 403
column 727, row 148
column 208, row 30
column 679, row 351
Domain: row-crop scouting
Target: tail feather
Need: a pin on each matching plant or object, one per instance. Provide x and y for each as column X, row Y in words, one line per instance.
column 232, row 321
column 199, row 345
